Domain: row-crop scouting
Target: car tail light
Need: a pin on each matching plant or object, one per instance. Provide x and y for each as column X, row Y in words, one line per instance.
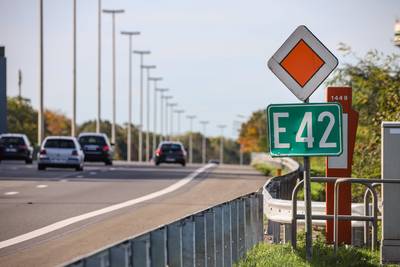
column 43, row 152
column 158, row 152
column 74, row 153
column 106, row 148
column 22, row 147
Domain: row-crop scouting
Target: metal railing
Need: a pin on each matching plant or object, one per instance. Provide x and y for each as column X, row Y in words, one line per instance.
column 369, row 183
column 218, row 236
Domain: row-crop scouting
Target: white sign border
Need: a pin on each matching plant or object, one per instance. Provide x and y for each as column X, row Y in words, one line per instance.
column 331, row 62
column 338, row 105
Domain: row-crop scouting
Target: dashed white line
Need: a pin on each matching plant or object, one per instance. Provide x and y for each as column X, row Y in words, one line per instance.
column 11, row 193
column 42, row 186
column 132, row 202
column 92, row 173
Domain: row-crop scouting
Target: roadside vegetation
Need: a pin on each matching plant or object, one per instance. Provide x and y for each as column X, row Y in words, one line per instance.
column 280, row 255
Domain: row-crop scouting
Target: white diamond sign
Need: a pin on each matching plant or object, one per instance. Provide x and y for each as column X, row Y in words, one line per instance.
column 302, row 63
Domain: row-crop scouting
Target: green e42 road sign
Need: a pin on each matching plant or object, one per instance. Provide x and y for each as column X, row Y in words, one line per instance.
column 310, row 129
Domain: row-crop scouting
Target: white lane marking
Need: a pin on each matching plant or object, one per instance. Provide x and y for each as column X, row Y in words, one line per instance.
column 92, row 173
column 61, row 224
column 64, row 180
column 42, row 186
column 79, row 176
column 112, row 169
column 11, row 193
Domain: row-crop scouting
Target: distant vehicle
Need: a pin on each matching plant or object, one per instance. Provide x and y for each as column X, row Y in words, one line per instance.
column 96, row 147
column 15, row 147
column 215, row 161
column 60, row 152
column 170, row 152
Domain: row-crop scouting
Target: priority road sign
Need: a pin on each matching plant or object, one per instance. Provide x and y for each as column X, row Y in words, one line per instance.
column 305, row 129
column 302, row 63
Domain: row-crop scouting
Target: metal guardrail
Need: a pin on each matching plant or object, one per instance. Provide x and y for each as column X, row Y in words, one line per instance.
column 218, row 236
column 278, row 189
column 280, row 209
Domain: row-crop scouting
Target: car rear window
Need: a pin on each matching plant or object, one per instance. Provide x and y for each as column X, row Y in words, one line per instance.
column 171, row 147
column 59, row 143
column 8, row 140
column 92, row 140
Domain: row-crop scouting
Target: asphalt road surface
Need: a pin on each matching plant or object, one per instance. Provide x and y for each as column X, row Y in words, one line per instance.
column 51, row 217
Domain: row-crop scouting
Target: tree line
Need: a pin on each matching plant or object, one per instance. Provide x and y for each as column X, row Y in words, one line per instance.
column 22, row 118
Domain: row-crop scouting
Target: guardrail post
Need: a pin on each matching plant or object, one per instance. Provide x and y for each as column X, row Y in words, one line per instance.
column 158, row 247
column 80, row 263
column 121, row 255
column 101, row 259
column 226, row 218
column 219, row 241
column 248, row 237
column 141, row 251
column 200, row 240
column 242, row 227
column 174, row 241
column 210, row 238
column 254, row 219
column 287, row 233
column 234, row 230
column 261, row 217
column 276, row 232
column 188, row 245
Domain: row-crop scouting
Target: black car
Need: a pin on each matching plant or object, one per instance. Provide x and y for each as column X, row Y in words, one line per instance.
column 170, row 152
column 15, row 147
column 96, row 147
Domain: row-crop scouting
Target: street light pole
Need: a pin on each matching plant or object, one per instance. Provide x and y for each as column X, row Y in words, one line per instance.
column 148, row 68
column 204, row 145
column 98, row 120
column 155, row 80
column 240, row 144
column 41, row 81
column 113, row 12
column 166, row 115
column 221, row 147
column 129, row 137
column 179, row 112
column 140, row 153
column 73, row 121
column 191, row 118
column 161, row 90
column 171, row 130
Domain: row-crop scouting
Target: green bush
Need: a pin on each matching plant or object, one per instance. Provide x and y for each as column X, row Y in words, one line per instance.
column 263, row 168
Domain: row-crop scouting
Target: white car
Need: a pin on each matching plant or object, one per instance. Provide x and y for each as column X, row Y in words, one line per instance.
column 60, row 152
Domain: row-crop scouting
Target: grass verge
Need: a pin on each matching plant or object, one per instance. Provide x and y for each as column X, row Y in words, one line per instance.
column 283, row 255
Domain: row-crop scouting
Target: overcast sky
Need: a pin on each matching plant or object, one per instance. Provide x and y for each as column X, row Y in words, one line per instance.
column 211, row 54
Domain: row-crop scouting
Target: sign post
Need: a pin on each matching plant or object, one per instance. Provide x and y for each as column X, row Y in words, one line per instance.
column 302, row 63
column 341, row 166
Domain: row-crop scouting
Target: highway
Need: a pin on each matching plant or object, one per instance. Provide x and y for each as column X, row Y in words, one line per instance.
column 51, row 217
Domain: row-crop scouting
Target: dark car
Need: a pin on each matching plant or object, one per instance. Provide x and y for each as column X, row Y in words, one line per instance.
column 15, row 147
column 96, row 147
column 170, row 152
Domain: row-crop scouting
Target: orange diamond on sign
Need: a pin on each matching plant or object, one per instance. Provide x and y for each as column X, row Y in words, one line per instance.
column 302, row 63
